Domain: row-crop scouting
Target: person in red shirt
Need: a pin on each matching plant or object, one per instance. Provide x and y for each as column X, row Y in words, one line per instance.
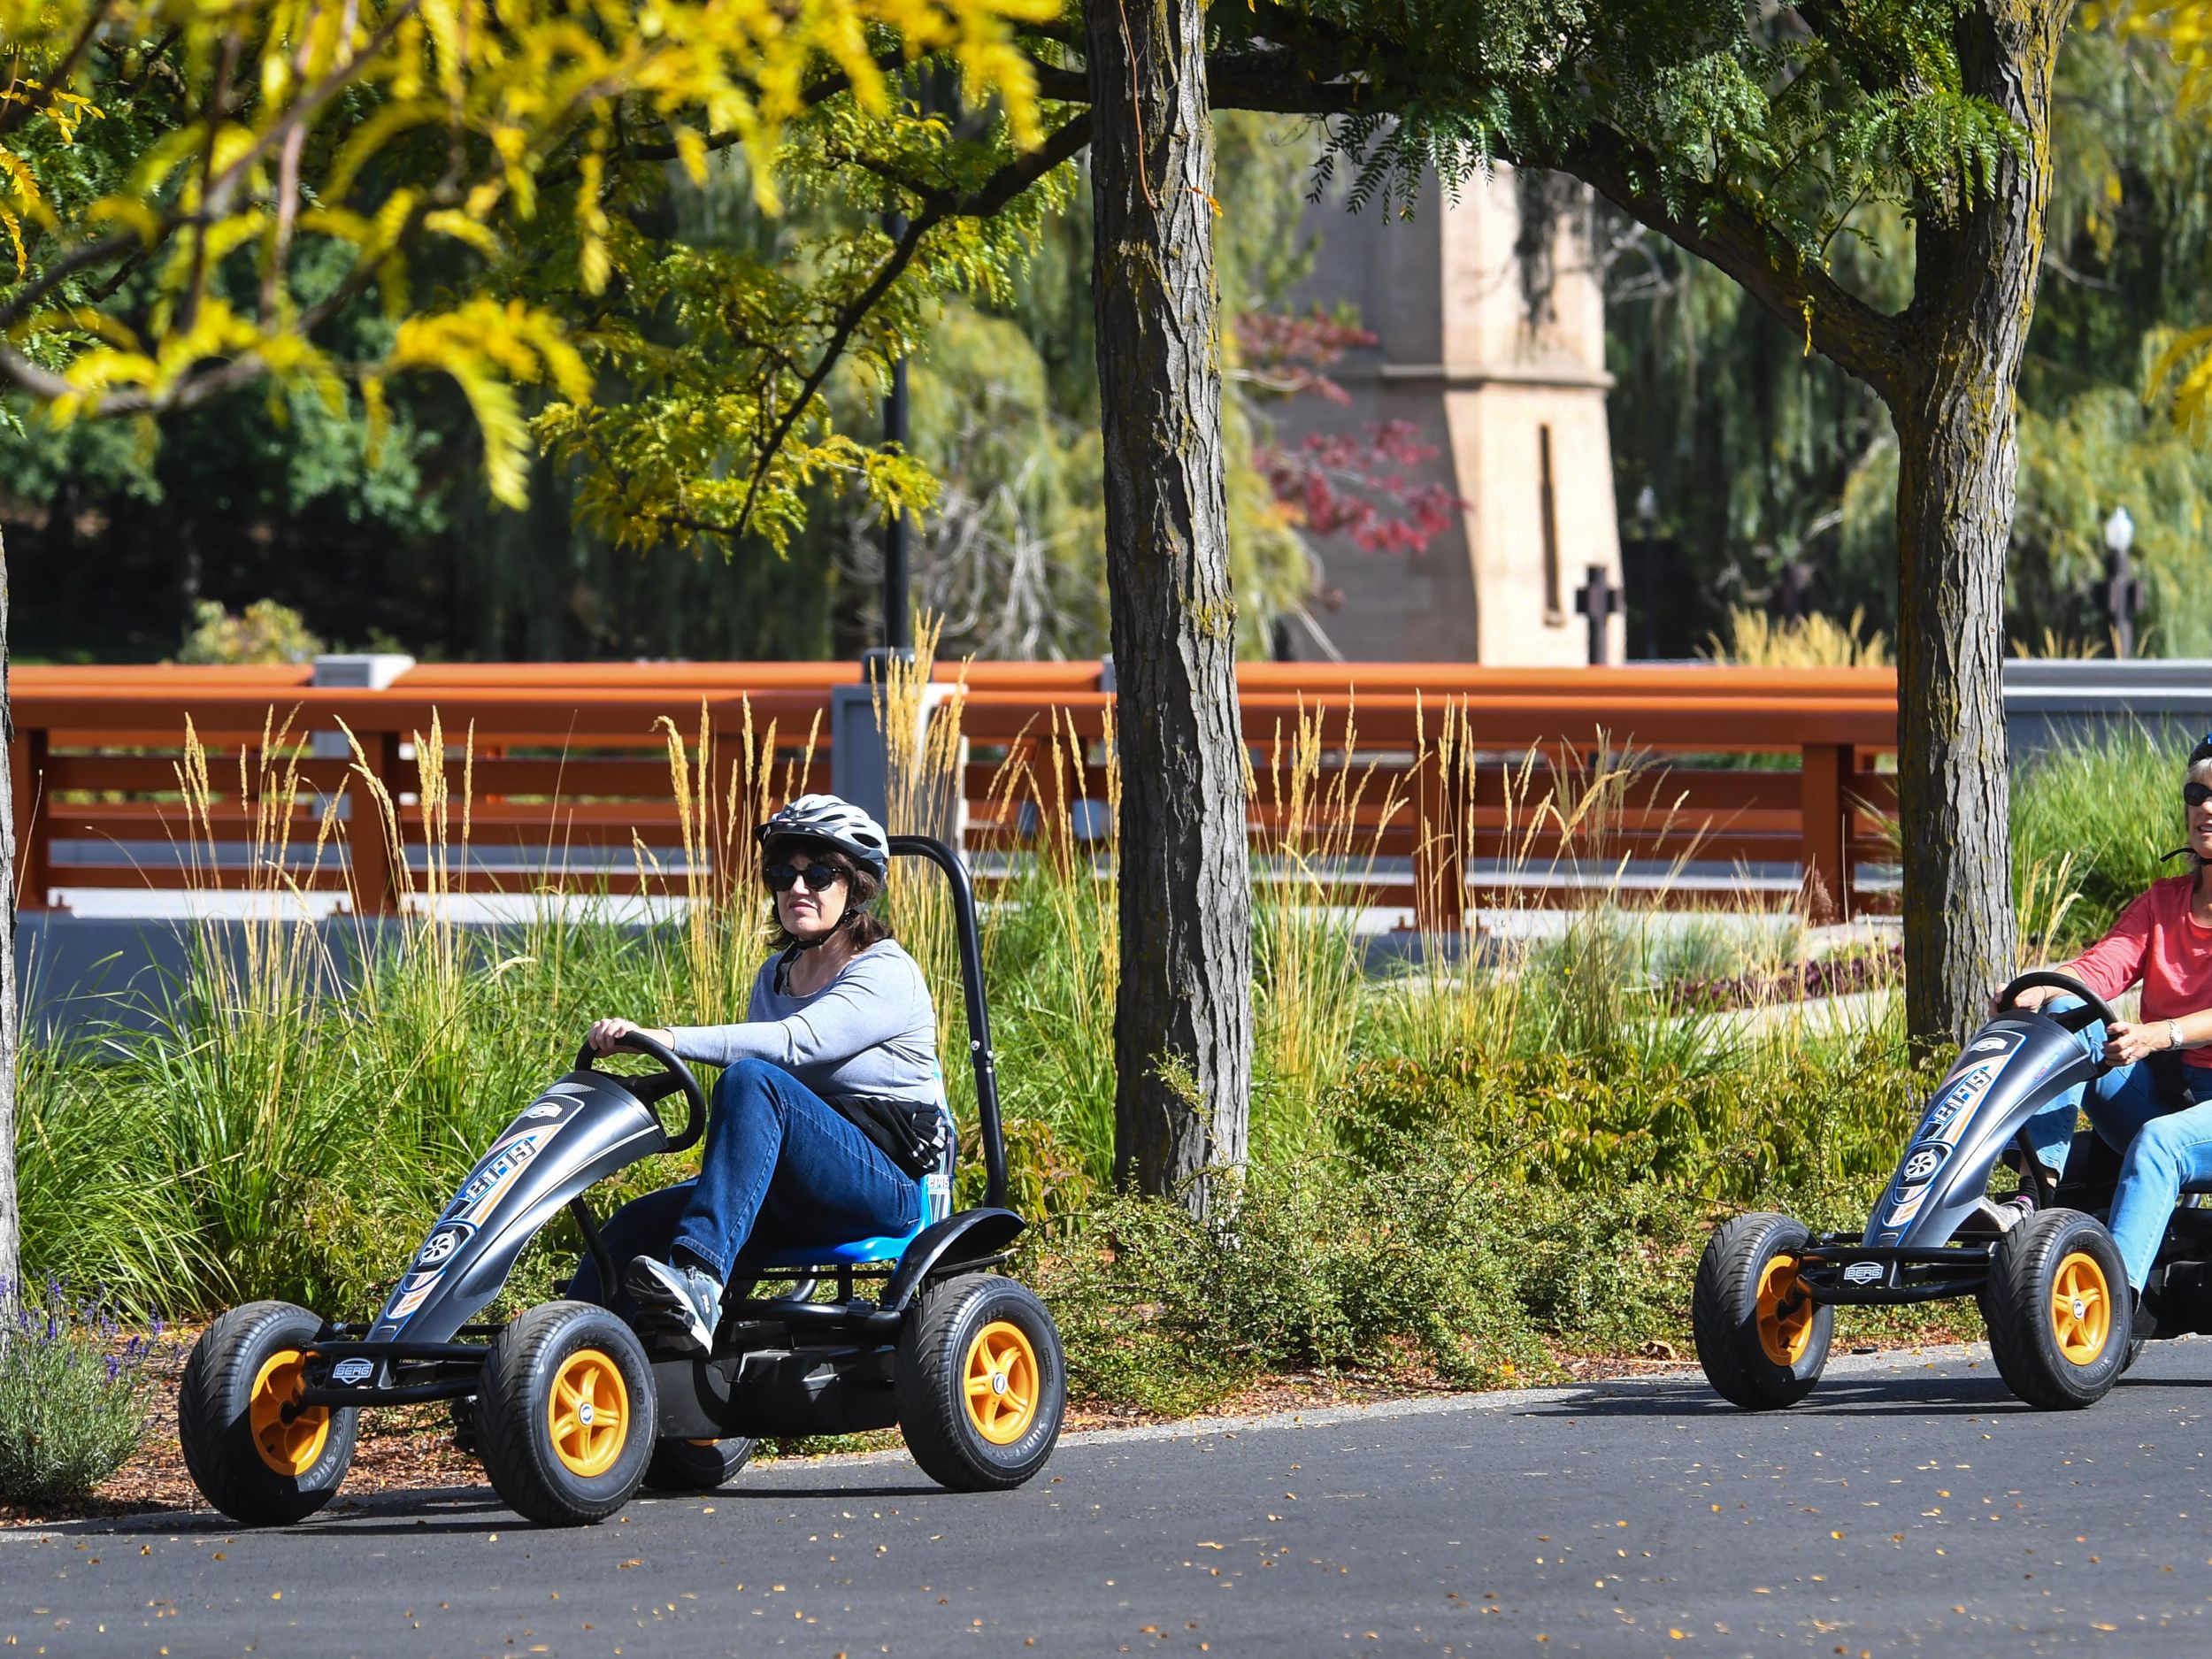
column 2155, row 1105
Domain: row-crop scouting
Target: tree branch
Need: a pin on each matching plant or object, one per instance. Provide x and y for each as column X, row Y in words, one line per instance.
column 217, row 196
column 187, row 393
column 1867, row 342
column 78, row 258
column 1000, row 189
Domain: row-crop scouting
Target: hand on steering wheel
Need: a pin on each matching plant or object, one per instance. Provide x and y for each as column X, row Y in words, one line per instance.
column 2093, row 1007
column 606, row 1035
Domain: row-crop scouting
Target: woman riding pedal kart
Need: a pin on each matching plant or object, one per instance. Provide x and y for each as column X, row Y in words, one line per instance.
column 828, row 1157
column 829, row 1114
column 2155, row 1105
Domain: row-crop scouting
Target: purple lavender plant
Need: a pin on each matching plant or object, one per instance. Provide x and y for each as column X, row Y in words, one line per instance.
column 72, row 1394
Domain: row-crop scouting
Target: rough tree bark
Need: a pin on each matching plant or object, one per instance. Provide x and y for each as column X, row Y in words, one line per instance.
column 10, row 1222
column 1183, row 1026
column 1974, row 293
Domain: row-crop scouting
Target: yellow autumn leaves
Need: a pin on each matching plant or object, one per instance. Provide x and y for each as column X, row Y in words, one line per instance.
column 251, row 131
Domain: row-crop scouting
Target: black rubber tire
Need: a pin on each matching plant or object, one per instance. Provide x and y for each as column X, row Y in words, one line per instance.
column 694, row 1466
column 514, row 1437
column 931, row 1376
column 214, row 1406
column 2016, row 1308
column 1724, row 1317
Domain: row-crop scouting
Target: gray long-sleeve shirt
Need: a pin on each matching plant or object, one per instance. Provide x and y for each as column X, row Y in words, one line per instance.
column 870, row 1031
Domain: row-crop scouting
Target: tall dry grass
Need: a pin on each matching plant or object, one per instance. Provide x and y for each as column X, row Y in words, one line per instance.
column 325, row 1086
column 1757, row 641
column 1324, row 816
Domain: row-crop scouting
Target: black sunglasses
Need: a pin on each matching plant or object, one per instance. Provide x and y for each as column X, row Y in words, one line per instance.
column 2195, row 794
column 814, row 877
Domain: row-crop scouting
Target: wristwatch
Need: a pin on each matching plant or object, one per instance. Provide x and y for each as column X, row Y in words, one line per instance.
column 2173, row 1035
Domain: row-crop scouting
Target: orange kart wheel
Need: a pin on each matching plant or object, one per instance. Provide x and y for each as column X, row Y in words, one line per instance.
column 1000, row 1383
column 981, row 1383
column 289, row 1437
column 564, row 1419
column 254, row 1451
column 1762, row 1338
column 1786, row 1311
column 2057, row 1309
column 588, row 1413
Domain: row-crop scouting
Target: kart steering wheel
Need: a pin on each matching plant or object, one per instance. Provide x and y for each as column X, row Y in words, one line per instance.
column 674, row 1075
column 2075, row 1019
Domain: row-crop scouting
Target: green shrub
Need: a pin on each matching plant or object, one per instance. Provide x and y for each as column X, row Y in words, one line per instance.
column 73, row 1398
column 266, row 632
column 1324, row 1267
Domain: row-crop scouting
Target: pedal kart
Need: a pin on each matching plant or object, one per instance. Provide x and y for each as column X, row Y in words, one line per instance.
column 2052, row 1289
column 570, row 1410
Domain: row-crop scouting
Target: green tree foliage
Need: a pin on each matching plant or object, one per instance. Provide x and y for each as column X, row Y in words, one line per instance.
column 1758, row 140
column 1711, row 387
column 711, row 311
column 178, row 181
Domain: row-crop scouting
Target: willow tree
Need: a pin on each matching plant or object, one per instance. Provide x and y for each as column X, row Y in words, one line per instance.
column 191, row 196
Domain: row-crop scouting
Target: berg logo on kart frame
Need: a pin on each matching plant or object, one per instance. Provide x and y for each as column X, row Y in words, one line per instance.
column 1966, row 1088
column 346, row 1372
column 1862, row 1273
column 497, row 1174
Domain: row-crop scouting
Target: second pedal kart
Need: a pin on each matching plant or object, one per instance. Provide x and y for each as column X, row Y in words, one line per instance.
column 2052, row 1289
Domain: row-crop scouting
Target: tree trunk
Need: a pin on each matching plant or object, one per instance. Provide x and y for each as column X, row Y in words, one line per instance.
column 11, row 1213
column 1975, row 282
column 1183, row 1026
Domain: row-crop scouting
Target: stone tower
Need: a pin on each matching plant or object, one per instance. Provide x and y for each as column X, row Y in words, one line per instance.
column 1491, row 340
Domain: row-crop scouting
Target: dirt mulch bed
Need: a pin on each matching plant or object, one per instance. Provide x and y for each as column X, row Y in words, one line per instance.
column 1830, row 976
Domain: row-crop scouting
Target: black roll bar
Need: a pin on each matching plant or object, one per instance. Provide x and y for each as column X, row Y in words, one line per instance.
column 979, row 1012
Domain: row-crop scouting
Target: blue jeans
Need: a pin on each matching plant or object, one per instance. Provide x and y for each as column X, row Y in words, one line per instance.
column 2164, row 1149
column 782, row 1166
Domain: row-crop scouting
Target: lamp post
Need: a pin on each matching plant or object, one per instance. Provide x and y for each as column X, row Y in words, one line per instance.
column 2123, row 591
column 860, row 749
column 898, row 615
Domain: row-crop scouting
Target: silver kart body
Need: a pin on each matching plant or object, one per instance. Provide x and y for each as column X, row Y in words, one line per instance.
column 1918, row 1245
column 585, row 1126
column 2012, row 1069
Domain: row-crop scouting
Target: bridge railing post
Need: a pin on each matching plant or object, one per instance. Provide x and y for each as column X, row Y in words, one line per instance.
column 1823, row 807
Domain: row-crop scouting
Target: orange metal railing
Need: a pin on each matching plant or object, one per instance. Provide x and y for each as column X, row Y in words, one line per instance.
column 567, row 756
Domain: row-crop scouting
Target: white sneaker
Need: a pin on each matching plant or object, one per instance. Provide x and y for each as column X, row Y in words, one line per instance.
column 683, row 1301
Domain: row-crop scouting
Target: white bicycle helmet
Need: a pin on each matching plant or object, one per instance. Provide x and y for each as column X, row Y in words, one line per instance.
column 826, row 817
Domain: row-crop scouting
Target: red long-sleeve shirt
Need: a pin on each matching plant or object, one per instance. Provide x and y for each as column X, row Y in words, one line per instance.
column 2157, row 940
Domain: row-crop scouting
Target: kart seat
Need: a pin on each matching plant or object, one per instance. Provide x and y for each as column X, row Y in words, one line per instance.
column 854, row 1253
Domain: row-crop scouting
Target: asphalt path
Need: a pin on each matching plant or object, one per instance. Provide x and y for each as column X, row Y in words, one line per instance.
column 1911, row 1504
